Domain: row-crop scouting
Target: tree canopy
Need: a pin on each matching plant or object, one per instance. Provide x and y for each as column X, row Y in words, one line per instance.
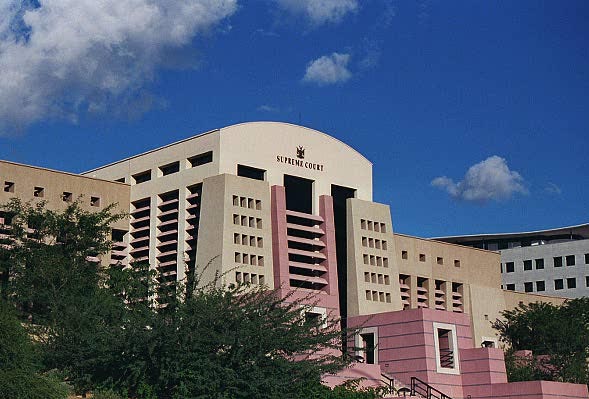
column 557, row 335
column 118, row 331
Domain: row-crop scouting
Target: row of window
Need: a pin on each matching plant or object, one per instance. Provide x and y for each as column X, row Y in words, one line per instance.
column 245, row 202
column 168, row 169
column 378, row 296
column 371, row 225
column 39, row 192
column 377, row 278
column 247, row 221
column 374, row 243
column 571, row 283
column 423, row 258
column 374, row 260
column 249, row 259
column 557, row 261
column 244, row 239
column 249, row 278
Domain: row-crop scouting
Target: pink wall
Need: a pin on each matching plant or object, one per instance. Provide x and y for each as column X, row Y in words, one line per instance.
column 406, row 349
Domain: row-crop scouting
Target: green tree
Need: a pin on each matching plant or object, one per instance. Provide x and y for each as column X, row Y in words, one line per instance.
column 120, row 332
column 557, row 335
column 19, row 368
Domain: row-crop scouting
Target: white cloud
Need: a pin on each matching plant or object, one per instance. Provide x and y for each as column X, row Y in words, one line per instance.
column 63, row 57
column 328, row 69
column 268, row 108
column 552, row 188
column 490, row 179
column 320, row 11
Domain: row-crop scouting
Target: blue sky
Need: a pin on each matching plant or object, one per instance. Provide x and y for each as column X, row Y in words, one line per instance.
column 475, row 114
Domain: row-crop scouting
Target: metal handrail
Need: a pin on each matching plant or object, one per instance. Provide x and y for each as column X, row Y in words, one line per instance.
column 446, row 358
column 424, row 389
column 390, row 383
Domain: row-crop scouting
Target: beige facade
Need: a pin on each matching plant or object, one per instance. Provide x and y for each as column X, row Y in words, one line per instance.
column 59, row 189
column 282, row 206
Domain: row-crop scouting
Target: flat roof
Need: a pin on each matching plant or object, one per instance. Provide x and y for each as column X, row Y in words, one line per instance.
column 62, row 172
column 577, row 230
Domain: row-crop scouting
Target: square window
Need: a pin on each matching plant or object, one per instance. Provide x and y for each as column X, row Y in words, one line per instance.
column 510, row 287
column 94, row 201
column 557, row 261
column 422, row 257
column 201, row 159
column 528, row 286
column 571, row 282
column 558, row 284
column 570, row 259
column 67, row 196
column 528, row 264
column 509, row 267
column 456, row 263
column 540, row 286
column 539, row 264
column 440, row 260
column 39, row 192
column 8, row 187
column 404, row 255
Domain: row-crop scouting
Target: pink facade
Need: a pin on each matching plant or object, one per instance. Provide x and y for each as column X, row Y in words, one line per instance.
column 305, row 243
column 411, row 344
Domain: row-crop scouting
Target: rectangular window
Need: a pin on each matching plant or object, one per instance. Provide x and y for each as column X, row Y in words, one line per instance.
column 170, row 168
column 540, row 286
column 510, row 287
column 539, row 264
column 528, row 264
column 446, row 347
column 94, row 201
column 571, row 282
column 558, row 261
column 456, row 263
column 570, row 259
column 8, row 187
column 67, row 196
column 509, row 267
column 404, row 255
column 558, row 284
column 528, row 286
column 440, row 260
column 586, row 281
column 142, row 177
column 587, row 259
column 422, row 257
column 201, row 159
column 251, row 172
column 39, row 192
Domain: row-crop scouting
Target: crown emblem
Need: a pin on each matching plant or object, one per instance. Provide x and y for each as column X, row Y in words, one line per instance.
column 300, row 152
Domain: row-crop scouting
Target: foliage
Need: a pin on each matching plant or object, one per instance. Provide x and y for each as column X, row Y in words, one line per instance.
column 557, row 335
column 120, row 332
column 19, row 376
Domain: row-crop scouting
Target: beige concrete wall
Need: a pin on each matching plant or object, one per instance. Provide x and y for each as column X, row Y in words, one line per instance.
column 513, row 299
column 55, row 183
column 371, row 268
column 227, row 201
column 258, row 144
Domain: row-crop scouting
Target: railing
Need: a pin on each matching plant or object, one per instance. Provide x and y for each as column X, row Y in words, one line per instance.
column 419, row 387
column 447, row 358
column 389, row 384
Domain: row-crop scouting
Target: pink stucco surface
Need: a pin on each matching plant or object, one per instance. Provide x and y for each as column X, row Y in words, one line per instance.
column 406, row 349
